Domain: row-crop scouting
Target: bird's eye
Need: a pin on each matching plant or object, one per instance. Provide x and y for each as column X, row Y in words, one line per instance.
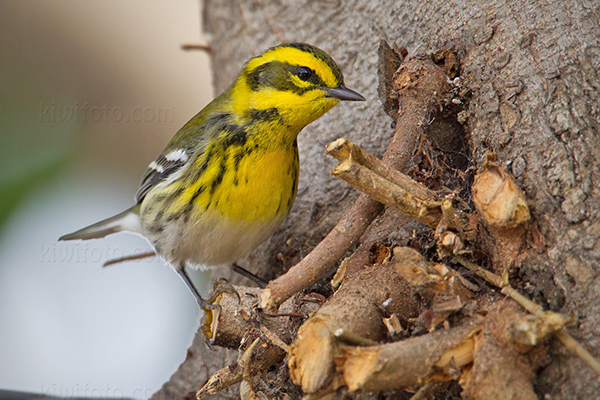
column 304, row 73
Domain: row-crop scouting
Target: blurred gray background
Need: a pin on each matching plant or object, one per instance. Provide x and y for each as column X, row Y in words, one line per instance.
column 90, row 92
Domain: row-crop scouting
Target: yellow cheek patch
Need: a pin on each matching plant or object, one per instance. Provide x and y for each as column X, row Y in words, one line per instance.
column 296, row 110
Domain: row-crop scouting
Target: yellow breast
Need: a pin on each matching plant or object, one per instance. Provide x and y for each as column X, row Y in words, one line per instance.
column 260, row 186
column 240, row 183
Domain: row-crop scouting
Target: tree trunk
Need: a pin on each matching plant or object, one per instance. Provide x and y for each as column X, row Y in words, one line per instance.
column 531, row 67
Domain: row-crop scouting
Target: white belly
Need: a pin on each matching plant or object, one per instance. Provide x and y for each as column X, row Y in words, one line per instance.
column 208, row 242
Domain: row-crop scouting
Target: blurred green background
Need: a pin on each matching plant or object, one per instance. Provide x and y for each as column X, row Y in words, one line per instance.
column 90, row 92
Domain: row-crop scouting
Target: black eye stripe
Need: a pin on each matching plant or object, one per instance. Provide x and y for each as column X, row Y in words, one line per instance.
column 275, row 74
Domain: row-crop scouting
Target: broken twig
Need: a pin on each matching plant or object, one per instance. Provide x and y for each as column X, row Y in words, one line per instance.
column 421, row 86
column 390, row 187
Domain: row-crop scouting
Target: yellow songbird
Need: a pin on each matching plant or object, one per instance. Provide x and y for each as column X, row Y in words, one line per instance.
column 228, row 178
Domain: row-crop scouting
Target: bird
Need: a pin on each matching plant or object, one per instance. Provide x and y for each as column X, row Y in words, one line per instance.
column 228, row 178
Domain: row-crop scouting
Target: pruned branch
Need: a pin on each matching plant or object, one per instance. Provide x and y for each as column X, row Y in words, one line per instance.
column 497, row 197
column 384, row 184
column 240, row 322
column 357, row 308
column 421, row 87
column 408, row 362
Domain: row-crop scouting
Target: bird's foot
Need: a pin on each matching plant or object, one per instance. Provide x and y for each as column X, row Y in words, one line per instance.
column 213, row 310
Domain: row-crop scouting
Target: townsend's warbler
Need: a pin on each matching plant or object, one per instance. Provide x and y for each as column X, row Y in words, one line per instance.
column 229, row 176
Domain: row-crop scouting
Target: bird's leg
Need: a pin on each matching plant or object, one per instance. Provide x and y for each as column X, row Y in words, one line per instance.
column 188, row 281
column 220, row 286
column 208, row 327
column 247, row 274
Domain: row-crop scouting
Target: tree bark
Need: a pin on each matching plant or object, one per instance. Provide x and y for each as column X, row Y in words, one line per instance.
column 531, row 67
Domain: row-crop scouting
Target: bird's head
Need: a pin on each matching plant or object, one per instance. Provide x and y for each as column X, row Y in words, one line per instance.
column 301, row 82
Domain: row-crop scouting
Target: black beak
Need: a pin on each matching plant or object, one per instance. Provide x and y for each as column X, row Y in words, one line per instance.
column 343, row 93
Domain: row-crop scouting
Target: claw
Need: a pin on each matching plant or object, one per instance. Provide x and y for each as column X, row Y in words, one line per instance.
column 208, row 306
column 212, row 310
column 222, row 285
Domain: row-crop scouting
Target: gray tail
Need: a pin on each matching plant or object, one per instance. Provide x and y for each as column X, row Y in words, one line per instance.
column 128, row 220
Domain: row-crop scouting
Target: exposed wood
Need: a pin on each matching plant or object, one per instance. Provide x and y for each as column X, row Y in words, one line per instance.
column 567, row 340
column 392, row 188
column 237, row 317
column 408, row 362
column 531, row 69
column 240, row 321
column 422, row 88
column 499, row 371
column 358, row 308
column 502, row 205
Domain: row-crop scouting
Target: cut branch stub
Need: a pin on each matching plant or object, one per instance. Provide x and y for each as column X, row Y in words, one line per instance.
column 384, row 184
column 497, row 197
column 424, row 87
column 345, row 150
column 497, row 362
column 240, row 319
column 502, row 205
column 236, row 317
column 408, row 362
column 358, row 307
column 419, row 80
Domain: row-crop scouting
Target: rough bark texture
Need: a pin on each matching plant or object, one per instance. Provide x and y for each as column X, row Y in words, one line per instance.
column 532, row 68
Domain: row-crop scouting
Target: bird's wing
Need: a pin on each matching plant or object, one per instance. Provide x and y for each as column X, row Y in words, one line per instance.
column 166, row 164
column 187, row 144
